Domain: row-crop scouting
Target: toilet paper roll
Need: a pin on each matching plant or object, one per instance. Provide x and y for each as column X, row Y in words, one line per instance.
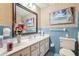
column 52, row 44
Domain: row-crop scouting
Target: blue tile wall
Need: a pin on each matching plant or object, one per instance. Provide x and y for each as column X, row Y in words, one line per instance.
column 1, row 30
column 54, row 35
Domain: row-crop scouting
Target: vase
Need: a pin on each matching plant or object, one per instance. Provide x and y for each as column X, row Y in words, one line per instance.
column 18, row 38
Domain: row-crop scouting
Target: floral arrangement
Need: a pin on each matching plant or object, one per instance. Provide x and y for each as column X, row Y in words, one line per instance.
column 19, row 29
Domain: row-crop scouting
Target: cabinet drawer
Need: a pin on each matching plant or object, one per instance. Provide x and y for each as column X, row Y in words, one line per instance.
column 16, row 54
column 34, row 47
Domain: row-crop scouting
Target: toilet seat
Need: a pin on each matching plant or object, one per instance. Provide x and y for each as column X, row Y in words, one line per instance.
column 66, row 52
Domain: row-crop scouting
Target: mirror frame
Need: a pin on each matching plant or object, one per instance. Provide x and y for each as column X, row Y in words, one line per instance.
column 23, row 7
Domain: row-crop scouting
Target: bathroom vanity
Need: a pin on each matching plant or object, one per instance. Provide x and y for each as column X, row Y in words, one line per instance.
column 32, row 46
column 37, row 46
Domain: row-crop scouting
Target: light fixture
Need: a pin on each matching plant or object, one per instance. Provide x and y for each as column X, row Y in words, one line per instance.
column 29, row 5
column 33, row 7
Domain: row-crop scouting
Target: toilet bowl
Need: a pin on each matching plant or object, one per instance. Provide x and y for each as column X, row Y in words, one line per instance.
column 66, row 52
column 67, row 46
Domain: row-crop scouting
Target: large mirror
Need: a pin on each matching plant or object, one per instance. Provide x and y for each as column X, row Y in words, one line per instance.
column 27, row 17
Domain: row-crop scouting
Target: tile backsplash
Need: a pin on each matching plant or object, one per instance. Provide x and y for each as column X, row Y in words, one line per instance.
column 1, row 31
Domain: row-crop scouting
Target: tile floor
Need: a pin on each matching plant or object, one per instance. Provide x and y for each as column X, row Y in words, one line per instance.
column 50, row 52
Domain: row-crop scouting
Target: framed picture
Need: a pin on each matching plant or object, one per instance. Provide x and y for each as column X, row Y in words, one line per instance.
column 29, row 22
column 64, row 16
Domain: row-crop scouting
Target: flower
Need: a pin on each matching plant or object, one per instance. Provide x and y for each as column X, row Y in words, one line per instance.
column 19, row 29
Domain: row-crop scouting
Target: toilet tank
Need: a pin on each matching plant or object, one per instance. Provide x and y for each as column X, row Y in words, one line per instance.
column 67, row 43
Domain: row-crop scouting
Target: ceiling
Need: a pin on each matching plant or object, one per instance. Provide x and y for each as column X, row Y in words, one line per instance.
column 42, row 5
column 22, row 12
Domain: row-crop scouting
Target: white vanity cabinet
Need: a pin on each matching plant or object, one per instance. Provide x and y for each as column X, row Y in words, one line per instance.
column 36, row 47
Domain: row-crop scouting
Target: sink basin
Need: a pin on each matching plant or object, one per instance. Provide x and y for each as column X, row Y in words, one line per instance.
column 22, row 42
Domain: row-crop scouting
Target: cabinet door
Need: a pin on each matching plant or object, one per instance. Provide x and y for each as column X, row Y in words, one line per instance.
column 35, row 52
column 42, row 48
column 23, row 52
column 46, row 45
column 35, row 49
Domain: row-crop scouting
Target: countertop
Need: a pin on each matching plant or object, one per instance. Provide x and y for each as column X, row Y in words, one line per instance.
column 24, row 43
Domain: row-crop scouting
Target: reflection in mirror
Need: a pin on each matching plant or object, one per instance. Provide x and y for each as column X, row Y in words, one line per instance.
column 26, row 17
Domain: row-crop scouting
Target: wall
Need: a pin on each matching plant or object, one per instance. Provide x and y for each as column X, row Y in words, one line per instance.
column 5, row 17
column 71, row 29
column 6, row 14
column 54, row 7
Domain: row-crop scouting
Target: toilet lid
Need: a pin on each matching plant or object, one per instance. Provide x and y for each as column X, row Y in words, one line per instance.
column 66, row 52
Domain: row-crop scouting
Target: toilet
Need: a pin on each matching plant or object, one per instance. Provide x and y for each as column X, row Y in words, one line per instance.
column 67, row 46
